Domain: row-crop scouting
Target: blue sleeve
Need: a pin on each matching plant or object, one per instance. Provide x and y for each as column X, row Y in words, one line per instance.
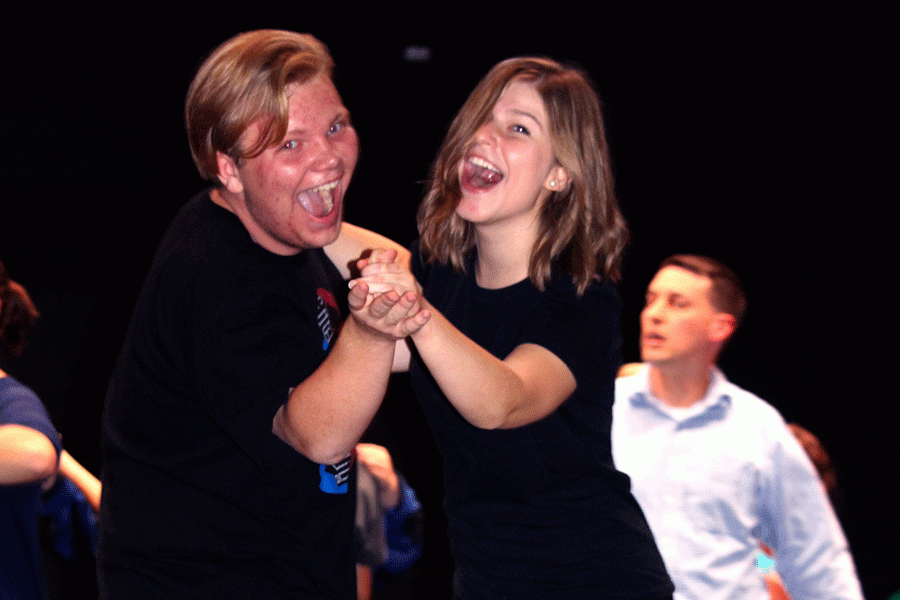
column 403, row 530
column 21, row 406
column 812, row 554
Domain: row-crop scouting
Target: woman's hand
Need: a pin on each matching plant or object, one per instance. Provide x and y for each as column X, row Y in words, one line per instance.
column 386, row 299
column 382, row 272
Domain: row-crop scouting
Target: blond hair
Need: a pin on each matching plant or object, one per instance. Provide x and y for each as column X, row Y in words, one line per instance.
column 243, row 80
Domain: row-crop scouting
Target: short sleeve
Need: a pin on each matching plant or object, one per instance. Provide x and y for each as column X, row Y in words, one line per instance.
column 583, row 331
column 19, row 405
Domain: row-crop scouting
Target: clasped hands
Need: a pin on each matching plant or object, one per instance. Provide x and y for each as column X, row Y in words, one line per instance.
column 386, row 297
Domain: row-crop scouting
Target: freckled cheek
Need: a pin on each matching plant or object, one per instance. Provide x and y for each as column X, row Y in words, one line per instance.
column 282, row 177
column 262, row 177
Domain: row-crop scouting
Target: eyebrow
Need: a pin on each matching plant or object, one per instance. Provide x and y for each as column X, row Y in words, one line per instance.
column 667, row 294
column 527, row 115
column 340, row 115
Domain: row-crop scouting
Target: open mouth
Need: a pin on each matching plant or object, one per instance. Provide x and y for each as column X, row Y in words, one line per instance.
column 318, row 201
column 479, row 174
column 653, row 338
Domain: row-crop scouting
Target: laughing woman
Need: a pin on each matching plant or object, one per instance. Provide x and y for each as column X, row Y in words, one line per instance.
column 520, row 245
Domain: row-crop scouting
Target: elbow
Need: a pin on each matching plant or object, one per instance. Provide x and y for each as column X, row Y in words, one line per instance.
column 502, row 412
column 40, row 459
column 325, row 456
column 511, row 415
column 492, row 417
column 318, row 452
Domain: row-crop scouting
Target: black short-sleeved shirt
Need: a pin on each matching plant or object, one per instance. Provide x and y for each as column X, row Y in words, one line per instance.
column 200, row 498
column 539, row 511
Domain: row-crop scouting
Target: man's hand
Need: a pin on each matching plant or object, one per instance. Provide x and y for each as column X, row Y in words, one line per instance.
column 387, row 298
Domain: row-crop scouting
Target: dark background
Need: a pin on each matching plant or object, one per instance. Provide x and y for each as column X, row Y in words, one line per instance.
column 748, row 136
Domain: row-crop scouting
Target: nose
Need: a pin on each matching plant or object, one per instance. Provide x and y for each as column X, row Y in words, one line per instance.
column 653, row 311
column 486, row 132
column 327, row 155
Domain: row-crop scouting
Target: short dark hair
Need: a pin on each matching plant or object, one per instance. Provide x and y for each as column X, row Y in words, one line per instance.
column 727, row 292
column 17, row 313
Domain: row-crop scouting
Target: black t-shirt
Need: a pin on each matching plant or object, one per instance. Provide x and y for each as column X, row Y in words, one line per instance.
column 200, row 498
column 539, row 511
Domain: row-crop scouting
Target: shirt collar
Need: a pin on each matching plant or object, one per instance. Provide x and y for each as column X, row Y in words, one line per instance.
column 714, row 405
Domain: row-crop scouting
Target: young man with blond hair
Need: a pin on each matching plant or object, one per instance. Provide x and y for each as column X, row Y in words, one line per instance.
column 243, row 384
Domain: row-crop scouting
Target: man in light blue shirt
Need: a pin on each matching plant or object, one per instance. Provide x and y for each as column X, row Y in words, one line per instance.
column 714, row 467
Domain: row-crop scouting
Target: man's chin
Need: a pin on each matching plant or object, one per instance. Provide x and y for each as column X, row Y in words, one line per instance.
column 320, row 234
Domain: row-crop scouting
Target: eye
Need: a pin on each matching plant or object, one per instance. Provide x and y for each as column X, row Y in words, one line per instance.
column 338, row 126
column 520, row 129
column 290, row 145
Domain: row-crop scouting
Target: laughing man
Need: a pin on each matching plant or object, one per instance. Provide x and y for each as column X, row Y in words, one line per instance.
column 243, row 384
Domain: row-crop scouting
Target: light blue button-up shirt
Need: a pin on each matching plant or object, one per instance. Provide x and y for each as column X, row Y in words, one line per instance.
column 719, row 477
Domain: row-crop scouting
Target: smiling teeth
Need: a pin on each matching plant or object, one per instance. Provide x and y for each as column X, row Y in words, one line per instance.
column 480, row 162
column 325, row 192
column 319, row 201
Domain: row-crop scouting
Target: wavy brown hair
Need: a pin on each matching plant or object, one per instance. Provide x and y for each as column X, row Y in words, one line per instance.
column 582, row 230
column 243, row 80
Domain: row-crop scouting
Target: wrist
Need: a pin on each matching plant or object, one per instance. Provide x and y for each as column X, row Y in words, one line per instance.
column 427, row 331
column 356, row 328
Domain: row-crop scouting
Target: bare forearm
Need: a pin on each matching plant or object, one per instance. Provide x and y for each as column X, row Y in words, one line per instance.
column 479, row 385
column 327, row 414
column 83, row 479
column 490, row 393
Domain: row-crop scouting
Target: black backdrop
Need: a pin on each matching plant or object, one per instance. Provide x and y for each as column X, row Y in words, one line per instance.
column 743, row 136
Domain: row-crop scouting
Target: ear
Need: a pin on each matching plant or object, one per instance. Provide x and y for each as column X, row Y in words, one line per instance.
column 557, row 179
column 722, row 327
column 228, row 173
